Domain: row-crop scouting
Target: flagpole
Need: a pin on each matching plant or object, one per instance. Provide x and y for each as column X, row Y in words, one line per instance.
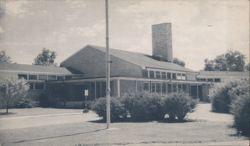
column 107, row 66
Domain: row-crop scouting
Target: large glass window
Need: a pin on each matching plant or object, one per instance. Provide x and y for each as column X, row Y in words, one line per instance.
column 210, row 80
column 22, row 76
column 152, row 74
column 169, row 88
column 68, row 77
column 183, row 76
column 174, row 76
column 169, row 75
column 153, row 87
column 158, row 74
column 158, row 87
column 60, row 77
column 32, row 77
column 163, row 75
column 164, row 87
column 179, row 76
column 146, row 86
column 217, row 80
column 145, row 73
column 42, row 77
column 51, row 77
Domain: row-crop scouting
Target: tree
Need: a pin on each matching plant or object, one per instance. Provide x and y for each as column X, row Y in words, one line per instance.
column 179, row 62
column 4, row 58
column 12, row 91
column 230, row 61
column 46, row 58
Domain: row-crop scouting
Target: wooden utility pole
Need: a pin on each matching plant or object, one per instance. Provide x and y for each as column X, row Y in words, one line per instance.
column 107, row 65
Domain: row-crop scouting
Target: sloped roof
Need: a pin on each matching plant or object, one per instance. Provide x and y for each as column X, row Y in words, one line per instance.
column 141, row 59
column 222, row 74
column 34, row 68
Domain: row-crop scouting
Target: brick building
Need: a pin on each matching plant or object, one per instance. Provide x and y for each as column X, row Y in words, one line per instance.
column 130, row 72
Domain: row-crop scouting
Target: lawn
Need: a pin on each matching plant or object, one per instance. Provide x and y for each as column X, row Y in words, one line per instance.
column 71, row 127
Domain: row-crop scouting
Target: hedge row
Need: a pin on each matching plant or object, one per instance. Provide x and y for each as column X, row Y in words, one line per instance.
column 233, row 97
column 145, row 106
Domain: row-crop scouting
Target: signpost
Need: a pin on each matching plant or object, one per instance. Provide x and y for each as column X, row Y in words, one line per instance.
column 86, row 94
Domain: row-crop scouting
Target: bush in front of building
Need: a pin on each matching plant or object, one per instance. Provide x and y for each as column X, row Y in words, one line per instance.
column 240, row 108
column 177, row 105
column 118, row 111
column 222, row 95
column 143, row 106
column 26, row 103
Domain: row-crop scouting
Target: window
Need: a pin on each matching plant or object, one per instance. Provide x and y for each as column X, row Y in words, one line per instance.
column 202, row 79
column 217, row 80
column 22, row 76
column 68, row 77
column 146, row 86
column 174, row 88
column 169, row 88
column 184, row 88
column 183, row 76
column 32, row 77
column 210, row 80
column 152, row 74
column 179, row 88
column 163, row 75
column 178, row 76
column 153, row 87
column 60, row 77
column 51, row 77
column 158, row 74
column 169, row 75
column 42, row 77
column 174, row 76
column 145, row 73
column 158, row 87
column 39, row 86
column 164, row 87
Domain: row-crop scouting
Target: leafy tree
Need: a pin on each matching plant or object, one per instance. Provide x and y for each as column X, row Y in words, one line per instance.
column 4, row 58
column 12, row 91
column 179, row 62
column 230, row 61
column 46, row 58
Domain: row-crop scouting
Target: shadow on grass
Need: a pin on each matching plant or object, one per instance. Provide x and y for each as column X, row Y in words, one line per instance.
column 58, row 136
column 4, row 113
column 128, row 120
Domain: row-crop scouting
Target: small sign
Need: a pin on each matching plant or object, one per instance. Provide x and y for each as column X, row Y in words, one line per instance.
column 86, row 92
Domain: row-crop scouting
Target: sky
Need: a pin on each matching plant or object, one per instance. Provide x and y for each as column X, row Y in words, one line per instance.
column 200, row 28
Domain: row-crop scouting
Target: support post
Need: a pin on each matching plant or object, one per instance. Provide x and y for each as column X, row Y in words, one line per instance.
column 107, row 65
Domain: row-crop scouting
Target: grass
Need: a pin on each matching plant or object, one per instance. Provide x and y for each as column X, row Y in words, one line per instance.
column 205, row 128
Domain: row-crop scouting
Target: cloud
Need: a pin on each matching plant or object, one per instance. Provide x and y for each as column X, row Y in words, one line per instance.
column 16, row 7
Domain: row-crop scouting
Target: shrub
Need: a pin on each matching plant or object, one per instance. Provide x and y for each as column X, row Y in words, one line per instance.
column 143, row 106
column 118, row 111
column 221, row 98
column 25, row 103
column 177, row 105
column 222, row 95
column 240, row 108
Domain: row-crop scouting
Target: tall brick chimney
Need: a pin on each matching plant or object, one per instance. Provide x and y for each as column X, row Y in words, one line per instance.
column 162, row 42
